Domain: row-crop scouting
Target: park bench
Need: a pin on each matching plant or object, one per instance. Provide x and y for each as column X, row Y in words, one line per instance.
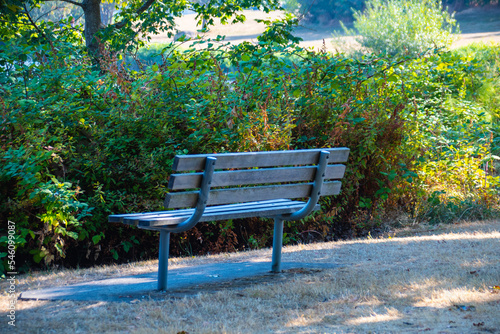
column 242, row 185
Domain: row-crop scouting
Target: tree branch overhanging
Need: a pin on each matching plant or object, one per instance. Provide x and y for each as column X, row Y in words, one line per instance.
column 36, row 27
column 143, row 8
column 46, row 13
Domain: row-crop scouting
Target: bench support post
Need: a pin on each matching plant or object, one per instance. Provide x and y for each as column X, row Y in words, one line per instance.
column 277, row 244
column 163, row 260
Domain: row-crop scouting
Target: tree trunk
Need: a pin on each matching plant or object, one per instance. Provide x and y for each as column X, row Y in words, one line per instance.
column 92, row 12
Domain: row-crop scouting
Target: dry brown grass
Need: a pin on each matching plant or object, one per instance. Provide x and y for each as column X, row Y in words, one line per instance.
column 430, row 280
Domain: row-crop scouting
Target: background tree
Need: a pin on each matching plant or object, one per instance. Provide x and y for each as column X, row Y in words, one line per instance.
column 134, row 20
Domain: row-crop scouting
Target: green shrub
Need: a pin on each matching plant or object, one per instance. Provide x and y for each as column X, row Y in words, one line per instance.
column 404, row 26
column 487, row 56
column 458, row 177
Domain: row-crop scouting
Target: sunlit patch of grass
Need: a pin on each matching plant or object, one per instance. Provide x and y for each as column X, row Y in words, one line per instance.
column 391, row 315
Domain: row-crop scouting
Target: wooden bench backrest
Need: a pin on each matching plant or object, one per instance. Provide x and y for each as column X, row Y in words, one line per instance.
column 280, row 174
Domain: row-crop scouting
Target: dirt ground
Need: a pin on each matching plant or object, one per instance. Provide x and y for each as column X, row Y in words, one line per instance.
column 480, row 24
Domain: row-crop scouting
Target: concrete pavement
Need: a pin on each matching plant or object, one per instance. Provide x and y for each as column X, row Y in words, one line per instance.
column 181, row 282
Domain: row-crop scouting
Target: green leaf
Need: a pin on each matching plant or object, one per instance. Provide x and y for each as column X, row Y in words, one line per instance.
column 72, row 235
column 38, row 255
column 96, row 239
column 392, row 78
column 127, row 246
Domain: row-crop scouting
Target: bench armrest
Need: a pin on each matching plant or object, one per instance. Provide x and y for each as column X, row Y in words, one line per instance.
column 315, row 192
column 202, row 199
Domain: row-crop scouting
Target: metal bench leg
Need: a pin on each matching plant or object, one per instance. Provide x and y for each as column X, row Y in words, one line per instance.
column 277, row 244
column 163, row 260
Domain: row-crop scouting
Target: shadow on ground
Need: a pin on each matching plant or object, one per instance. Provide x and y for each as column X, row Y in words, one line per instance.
column 187, row 281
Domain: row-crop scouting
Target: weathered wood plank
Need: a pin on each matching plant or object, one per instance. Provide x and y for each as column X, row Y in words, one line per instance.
column 249, row 194
column 254, row 176
column 258, row 159
column 229, row 212
column 331, row 188
column 130, row 218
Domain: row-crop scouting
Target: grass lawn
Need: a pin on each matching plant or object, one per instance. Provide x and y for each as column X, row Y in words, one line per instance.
column 440, row 279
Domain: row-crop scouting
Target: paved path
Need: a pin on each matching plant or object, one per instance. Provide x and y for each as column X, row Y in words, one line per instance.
column 181, row 282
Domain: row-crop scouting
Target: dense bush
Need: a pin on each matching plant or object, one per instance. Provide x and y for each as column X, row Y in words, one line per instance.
column 459, row 172
column 80, row 142
column 404, row 26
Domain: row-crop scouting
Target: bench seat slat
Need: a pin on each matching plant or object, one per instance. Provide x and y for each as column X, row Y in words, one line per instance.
column 222, row 212
column 129, row 218
column 254, row 176
column 247, row 194
column 235, row 214
column 132, row 218
column 258, row 159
